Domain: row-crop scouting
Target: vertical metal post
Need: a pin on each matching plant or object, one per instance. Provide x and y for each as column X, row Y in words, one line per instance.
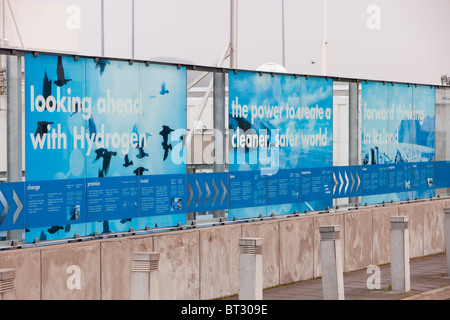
column 233, row 33
column 14, row 126
column 14, row 118
column 132, row 29
column 324, row 41
column 102, row 11
column 283, row 34
column 219, row 127
column 353, row 128
column 219, row 121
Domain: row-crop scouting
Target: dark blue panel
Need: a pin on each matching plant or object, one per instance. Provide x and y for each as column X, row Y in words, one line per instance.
column 247, row 189
column 442, row 169
column 162, row 194
column 400, row 177
column 317, row 183
column 55, row 202
column 283, row 187
column 374, row 179
column 12, row 202
column 111, row 198
column 423, row 179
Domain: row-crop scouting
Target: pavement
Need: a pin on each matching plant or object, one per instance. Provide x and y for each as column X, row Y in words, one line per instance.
column 428, row 278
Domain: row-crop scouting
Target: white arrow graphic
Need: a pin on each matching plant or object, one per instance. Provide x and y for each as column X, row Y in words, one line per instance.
column 342, row 182
column 208, row 192
column 353, row 182
column 335, row 183
column 224, row 191
column 199, row 193
column 19, row 207
column 5, row 205
column 359, row 181
column 216, row 194
column 191, row 194
column 346, row 179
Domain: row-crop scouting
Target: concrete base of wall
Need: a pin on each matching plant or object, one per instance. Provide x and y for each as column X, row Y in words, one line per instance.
column 203, row 263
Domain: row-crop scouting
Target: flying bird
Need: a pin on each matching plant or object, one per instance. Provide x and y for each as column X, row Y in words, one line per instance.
column 127, row 161
column 60, row 73
column 163, row 89
column 139, row 171
column 42, row 128
column 106, row 155
column 54, row 229
column 101, row 64
column 141, row 154
column 46, row 88
column 99, row 153
column 166, row 145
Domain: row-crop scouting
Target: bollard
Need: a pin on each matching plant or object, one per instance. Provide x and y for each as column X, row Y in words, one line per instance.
column 447, row 237
column 7, row 284
column 400, row 274
column 145, row 276
column 332, row 264
column 250, row 269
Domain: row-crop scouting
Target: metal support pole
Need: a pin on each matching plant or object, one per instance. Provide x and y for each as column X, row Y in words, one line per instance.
column 219, row 127
column 400, row 273
column 332, row 264
column 353, row 128
column 102, row 33
column 145, row 276
column 14, row 118
column 233, row 33
column 250, row 269
column 14, row 126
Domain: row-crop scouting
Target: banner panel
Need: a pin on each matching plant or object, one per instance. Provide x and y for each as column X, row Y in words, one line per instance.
column 398, row 130
column 105, row 125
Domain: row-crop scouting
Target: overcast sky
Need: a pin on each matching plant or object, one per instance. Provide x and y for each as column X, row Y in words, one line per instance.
column 402, row 40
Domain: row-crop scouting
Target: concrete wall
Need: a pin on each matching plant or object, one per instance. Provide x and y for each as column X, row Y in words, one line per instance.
column 203, row 263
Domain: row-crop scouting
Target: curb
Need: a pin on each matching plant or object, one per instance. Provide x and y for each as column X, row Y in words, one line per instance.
column 442, row 293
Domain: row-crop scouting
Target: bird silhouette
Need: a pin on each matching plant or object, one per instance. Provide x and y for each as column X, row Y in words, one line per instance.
column 42, row 127
column 141, row 154
column 166, row 145
column 139, row 171
column 60, row 73
column 93, row 127
column 163, row 89
column 46, row 88
column 107, row 155
column 127, row 161
column 99, row 153
column 54, row 229
column 101, row 64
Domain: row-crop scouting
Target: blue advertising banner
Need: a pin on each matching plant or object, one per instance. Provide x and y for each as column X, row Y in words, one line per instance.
column 280, row 124
column 104, row 124
column 397, row 131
